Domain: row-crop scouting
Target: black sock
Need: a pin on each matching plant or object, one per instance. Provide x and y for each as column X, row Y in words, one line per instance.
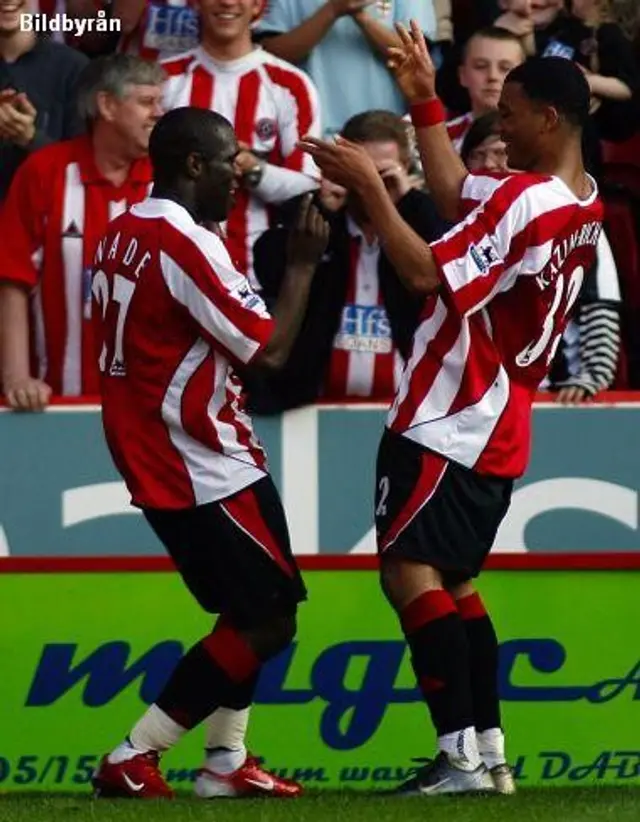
column 221, row 669
column 483, row 658
column 440, row 658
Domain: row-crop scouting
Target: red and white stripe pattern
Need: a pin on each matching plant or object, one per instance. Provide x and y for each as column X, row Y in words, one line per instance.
column 57, row 209
column 271, row 105
column 458, row 129
column 511, row 273
column 364, row 362
column 173, row 408
column 166, row 28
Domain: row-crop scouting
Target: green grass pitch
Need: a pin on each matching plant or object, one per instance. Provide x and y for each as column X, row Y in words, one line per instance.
column 546, row 805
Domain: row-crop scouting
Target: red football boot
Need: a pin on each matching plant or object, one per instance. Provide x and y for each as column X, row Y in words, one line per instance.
column 135, row 778
column 249, row 780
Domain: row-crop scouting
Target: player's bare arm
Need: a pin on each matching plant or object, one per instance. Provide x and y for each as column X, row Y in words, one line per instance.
column 307, row 244
column 415, row 74
column 349, row 165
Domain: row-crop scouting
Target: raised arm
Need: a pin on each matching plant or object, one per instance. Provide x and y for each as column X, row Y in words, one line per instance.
column 379, row 36
column 416, row 75
column 307, row 244
column 349, row 165
column 295, row 45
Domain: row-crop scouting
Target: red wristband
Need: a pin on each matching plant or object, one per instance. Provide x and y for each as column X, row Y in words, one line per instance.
column 428, row 114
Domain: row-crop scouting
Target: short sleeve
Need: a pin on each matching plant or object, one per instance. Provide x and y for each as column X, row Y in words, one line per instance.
column 483, row 255
column 23, row 220
column 476, row 189
column 229, row 313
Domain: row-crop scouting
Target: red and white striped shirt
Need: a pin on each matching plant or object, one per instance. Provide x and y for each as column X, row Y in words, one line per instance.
column 57, row 209
column 167, row 27
column 271, row 105
column 511, row 273
column 172, row 317
column 364, row 362
column 458, row 129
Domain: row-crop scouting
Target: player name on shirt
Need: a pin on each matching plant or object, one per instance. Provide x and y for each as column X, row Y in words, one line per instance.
column 57, row 210
column 511, row 274
column 172, row 319
column 587, row 235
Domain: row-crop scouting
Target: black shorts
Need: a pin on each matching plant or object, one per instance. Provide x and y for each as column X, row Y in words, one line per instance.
column 234, row 555
column 434, row 511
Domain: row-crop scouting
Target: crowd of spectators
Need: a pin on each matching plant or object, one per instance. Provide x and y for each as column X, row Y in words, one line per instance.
column 76, row 113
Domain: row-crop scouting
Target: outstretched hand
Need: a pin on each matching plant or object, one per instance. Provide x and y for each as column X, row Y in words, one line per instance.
column 412, row 65
column 343, row 162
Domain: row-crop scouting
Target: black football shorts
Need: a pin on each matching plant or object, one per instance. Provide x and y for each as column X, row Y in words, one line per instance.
column 235, row 555
column 432, row 510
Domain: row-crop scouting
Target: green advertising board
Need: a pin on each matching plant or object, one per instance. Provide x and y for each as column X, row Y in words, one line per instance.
column 85, row 652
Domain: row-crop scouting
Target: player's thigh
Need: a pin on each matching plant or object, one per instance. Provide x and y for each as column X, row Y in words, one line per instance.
column 435, row 512
column 263, row 578
column 467, row 513
column 235, row 555
column 406, row 476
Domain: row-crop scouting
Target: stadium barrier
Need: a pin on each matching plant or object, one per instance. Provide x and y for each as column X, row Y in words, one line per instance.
column 94, row 619
column 580, row 494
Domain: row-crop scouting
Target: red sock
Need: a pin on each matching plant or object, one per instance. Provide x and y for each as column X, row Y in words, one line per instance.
column 483, row 661
column 439, row 654
column 220, row 670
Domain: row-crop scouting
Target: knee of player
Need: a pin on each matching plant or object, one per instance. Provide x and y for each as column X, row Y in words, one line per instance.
column 274, row 635
column 392, row 582
column 403, row 580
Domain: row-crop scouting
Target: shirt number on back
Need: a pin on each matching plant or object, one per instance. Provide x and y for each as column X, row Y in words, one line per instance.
column 122, row 293
column 536, row 349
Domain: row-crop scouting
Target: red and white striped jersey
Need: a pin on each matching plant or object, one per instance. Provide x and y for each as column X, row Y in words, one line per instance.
column 57, row 209
column 511, row 272
column 167, row 27
column 172, row 317
column 271, row 105
column 458, row 129
column 364, row 361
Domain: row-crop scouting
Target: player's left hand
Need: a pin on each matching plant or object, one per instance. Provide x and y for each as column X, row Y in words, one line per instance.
column 344, row 162
column 412, row 65
column 572, row 395
column 17, row 119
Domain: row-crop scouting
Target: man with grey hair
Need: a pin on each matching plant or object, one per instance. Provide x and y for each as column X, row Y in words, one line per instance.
column 57, row 210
